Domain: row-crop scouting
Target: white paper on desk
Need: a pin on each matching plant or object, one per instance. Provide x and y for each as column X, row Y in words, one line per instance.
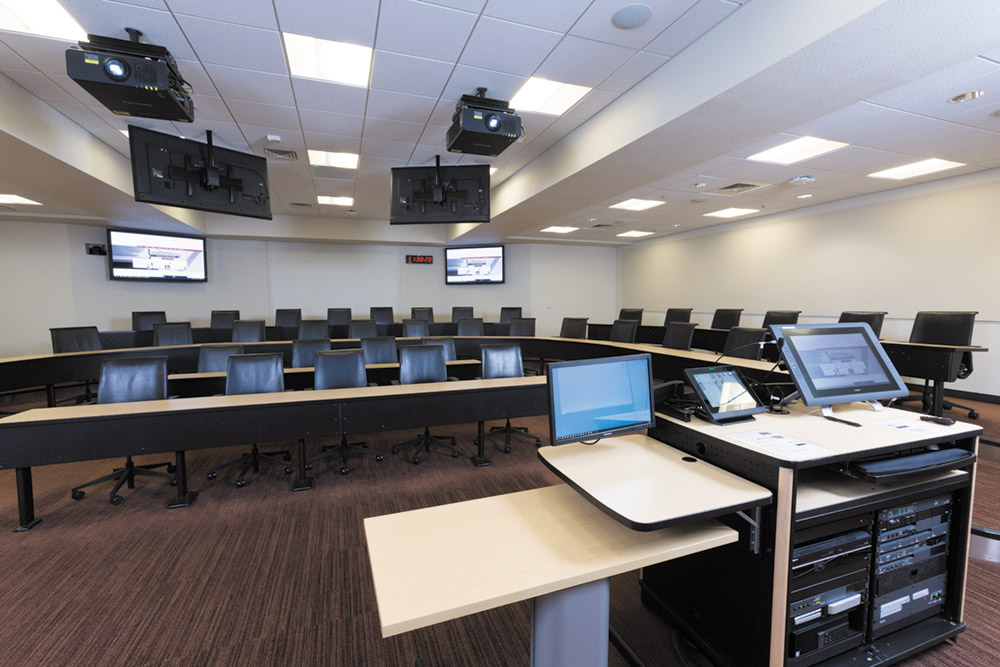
column 916, row 428
column 780, row 446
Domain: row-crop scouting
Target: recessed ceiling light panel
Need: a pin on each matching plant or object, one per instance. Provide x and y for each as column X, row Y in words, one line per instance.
column 915, row 169
column 328, row 159
column 731, row 212
column 335, row 201
column 638, row 204
column 46, row 18
column 16, row 199
column 634, row 234
column 797, row 150
column 555, row 229
column 549, row 97
column 326, row 60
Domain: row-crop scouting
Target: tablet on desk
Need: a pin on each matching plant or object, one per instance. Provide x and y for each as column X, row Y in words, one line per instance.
column 723, row 395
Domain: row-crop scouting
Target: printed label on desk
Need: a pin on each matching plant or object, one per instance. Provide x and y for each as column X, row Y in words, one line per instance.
column 790, row 449
column 916, row 428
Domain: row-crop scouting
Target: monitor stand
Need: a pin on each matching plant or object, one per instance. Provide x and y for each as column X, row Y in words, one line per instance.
column 723, row 421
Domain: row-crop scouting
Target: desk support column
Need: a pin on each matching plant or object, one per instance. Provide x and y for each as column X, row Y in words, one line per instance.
column 785, row 515
column 25, row 501
column 50, row 395
column 184, row 497
column 569, row 628
column 479, row 458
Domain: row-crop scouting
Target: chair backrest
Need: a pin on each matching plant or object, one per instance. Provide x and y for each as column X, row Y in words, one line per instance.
column 726, row 318
column 215, row 358
column 472, row 326
column 943, row 327
column 744, row 342
column 422, row 314
column 447, row 342
column 573, row 327
column 287, row 317
column 678, row 335
column 134, row 379
column 255, row 374
column 248, row 331
column 143, row 320
column 380, row 350
column 422, row 363
column 338, row 316
column 382, row 314
column 314, row 329
column 462, row 313
column 623, row 331
column 172, row 333
column 75, row 339
column 522, row 326
column 416, row 328
column 630, row 314
column 304, row 351
column 340, row 369
column 502, row 361
column 874, row 318
column 508, row 313
column 362, row 329
column 780, row 317
column 677, row 315
column 223, row 319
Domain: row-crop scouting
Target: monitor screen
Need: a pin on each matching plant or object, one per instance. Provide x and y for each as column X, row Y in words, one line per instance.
column 723, row 394
column 156, row 256
column 596, row 398
column 455, row 193
column 837, row 363
column 480, row 265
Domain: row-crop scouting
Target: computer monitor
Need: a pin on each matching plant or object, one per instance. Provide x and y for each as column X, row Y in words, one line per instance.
column 723, row 395
column 837, row 363
column 596, row 398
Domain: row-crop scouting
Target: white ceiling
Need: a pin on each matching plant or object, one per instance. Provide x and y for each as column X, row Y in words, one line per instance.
column 679, row 101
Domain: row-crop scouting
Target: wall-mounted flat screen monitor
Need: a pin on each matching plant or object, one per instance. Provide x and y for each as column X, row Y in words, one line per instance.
column 134, row 255
column 596, row 398
column 456, row 193
column 837, row 363
column 191, row 174
column 474, row 265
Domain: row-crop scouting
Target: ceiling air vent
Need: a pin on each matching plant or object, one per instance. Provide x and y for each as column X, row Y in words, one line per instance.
column 298, row 204
column 600, row 225
column 278, row 154
column 739, row 188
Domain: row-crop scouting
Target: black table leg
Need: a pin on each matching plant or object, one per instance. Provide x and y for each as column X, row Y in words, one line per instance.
column 25, row 501
column 50, row 395
column 302, row 483
column 184, row 497
column 479, row 459
column 937, row 396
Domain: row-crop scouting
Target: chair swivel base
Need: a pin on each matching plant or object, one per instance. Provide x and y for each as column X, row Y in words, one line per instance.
column 126, row 475
column 509, row 430
column 344, row 449
column 252, row 462
column 424, row 442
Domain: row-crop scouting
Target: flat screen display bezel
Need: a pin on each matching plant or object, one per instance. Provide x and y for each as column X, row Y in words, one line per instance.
column 503, row 264
column 144, row 232
column 712, row 410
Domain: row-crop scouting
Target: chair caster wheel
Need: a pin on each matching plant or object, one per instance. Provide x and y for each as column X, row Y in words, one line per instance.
column 454, row 455
column 240, row 483
column 453, row 442
column 506, row 450
column 395, row 450
column 379, row 458
column 286, row 456
column 345, row 470
column 117, row 500
column 973, row 415
column 309, row 466
column 173, row 482
column 76, row 494
column 538, row 443
column 416, row 460
column 289, row 470
column 171, row 468
column 212, row 475
column 475, row 441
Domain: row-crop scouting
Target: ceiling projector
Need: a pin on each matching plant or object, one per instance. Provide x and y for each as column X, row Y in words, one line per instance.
column 482, row 126
column 131, row 79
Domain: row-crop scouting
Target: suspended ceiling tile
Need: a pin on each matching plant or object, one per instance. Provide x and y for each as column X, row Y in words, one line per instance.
column 524, row 47
column 234, row 45
column 9, row 58
column 290, row 140
column 334, row 143
column 331, row 123
column 228, row 135
column 109, row 19
column 45, row 55
column 982, row 118
column 80, row 114
column 688, row 28
column 423, row 30
column 271, row 115
column 939, row 82
column 396, row 150
column 583, row 62
column 592, row 103
column 211, row 108
column 254, row 13
column 836, row 123
column 465, row 5
column 596, row 22
column 408, row 74
column 465, row 80
column 557, row 16
column 434, row 135
column 424, row 156
column 393, row 130
column 936, row 104
column 560, row 128
column 41, row 86
column 328, row 96
column 351, row 22
column 400, row 106
column 235, row 83
column 194, row 73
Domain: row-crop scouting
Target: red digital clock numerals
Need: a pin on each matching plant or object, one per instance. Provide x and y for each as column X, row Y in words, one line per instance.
column 420, row 259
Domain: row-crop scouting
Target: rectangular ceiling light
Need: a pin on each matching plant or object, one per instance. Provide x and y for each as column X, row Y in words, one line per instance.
column 15, row 199
column 328, row 159
column 797, row 150
column 638, row 204
column 634, row 234
column 548, row 97
column 915, row 169
column 323, row 59
column 46, row 18
column 731, row 212
column 555, row 229
column 493, row 170
column 335, row 201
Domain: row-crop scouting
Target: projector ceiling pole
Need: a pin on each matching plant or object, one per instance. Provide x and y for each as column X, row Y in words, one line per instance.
column 133, row 34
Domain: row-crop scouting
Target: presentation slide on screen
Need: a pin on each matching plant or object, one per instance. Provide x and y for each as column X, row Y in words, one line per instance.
column 475, row 265
column 157, row 257
column 839, row 360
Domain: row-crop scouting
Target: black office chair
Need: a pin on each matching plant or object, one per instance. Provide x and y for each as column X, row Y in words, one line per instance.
column 462, row 313
column 248, row 331
column 304, row 351
column 254, row 374
column 780, row 317
column 447, row 342
column 341, row 369
column 874, row 318
column 77, row 339
column 419, row 364
column 215, row 358
column 422, row 314
column 416, row 328
column 944, row 327
column 287, row 317
column 380, row 350
column 143, row 320
column 677, row 315
column 310, row 329
column 726, row 318
column 504, row 361
column 573, row 327
column 522, row 326
column 678, row 335
column 125, row 381
column 745, row 342
column 508, row 313
column 630, row 314
column 223, row 319
column 624, row 331
column 338, row 316
column 362, row 329
column 472, row 326
column 172, row 333
column 382, row 314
